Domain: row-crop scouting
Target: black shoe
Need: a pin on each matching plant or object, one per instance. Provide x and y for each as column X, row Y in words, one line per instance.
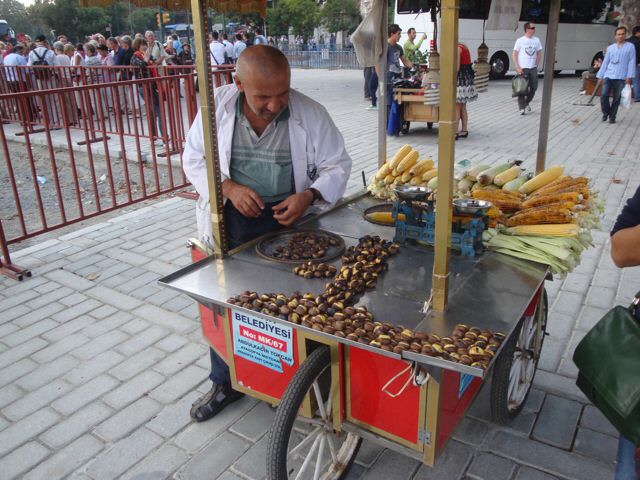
column 212, row 402
column 612, row 120
column 604, row 118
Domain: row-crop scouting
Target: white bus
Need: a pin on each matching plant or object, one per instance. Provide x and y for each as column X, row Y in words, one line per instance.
column 586, row 28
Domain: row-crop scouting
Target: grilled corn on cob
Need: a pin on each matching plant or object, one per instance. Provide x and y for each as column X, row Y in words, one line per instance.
column 553, row 198
column 540, row 216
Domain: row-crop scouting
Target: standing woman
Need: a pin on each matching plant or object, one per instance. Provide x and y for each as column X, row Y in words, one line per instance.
column 142, row 62
column 465, row 91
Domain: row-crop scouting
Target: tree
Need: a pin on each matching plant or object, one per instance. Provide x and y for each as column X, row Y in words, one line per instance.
column 15, row 14
column 630, row 13
column 141, row 19
column 300, row 15
column 340, row 15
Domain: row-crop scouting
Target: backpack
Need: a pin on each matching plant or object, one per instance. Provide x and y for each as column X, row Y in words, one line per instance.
column 41, row 73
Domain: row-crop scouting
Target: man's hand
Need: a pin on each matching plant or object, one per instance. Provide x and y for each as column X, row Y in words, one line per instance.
column 628, row 81
column 246, row 201
column 293, row 207
column 424, row 35
column 519, row 70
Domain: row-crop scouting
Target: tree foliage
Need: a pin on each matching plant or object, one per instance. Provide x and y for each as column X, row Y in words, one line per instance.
column 15, row 14
column 340, row 15
column 301, row 15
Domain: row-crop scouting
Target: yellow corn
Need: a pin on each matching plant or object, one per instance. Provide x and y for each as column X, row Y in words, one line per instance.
column 406, row 176
column 383, row 171
column 395, row 172
column 540, row 216
column 415, row 181
column 506, row 176
column 429, row 174
column 399, row 156
column 552, row 198
column 486, row 177
column 542, row 179
column 409, row 161
column 421, row 167
column 388, row 180
column 553, row 230
column 384, row 217
column 505, row 201
column 579, row 184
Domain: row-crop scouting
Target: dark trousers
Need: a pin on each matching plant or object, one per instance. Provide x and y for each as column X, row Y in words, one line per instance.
column 611, row 85
column 367, row 81
column 373, row 88
column 240, row 229
column 531, row 74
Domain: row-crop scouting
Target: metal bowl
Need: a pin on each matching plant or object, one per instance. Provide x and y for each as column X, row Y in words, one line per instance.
column 470, row 206
column 410, row 192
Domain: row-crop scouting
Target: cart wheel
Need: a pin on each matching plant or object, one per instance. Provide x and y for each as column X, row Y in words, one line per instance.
column 314, row 450
column 405, row 127
column 429, row 125
column 514, row 370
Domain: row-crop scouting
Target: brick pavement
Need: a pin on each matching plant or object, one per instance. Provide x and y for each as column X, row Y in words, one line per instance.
column 98, row 364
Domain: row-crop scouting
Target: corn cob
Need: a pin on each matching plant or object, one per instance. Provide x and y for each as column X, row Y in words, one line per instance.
column 383, row 171
column 503, row 200
column 486, row 177
column 415, row 181
column 473, row 172
column 399, row 156
column 557, row 181
column 541, row 216
column 553, row 206
column 397, row 180
column 421, row 167
column 388, row 180
column 429, row 174
column 551, row 230
column 384, row 217
column 395, row 172
column 409, row 161
column 577, row 187
column 433, row 183
column 405, row 177
column 542, row 179
column 514, row 185
column 506, row 176
column 465, row 184
column 493, row 212
column 553, row 198
column 560, row 184
column 486, row 188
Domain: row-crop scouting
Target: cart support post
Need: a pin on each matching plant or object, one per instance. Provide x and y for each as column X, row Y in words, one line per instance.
column 549, row 61
column 382, row 99
column 446, row 151
column 209, row 133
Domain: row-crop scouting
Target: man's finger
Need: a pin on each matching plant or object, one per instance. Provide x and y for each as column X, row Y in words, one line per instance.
column 256, row 199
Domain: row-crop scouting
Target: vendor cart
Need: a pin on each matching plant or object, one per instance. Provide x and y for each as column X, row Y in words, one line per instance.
column 414, row 109
column 331, row 392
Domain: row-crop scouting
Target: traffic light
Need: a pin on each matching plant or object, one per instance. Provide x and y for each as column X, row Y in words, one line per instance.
column 158, row 22
column 166, row 18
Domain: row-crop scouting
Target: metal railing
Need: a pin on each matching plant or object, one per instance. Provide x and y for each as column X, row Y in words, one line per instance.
column 77, row 149
column 324, row 58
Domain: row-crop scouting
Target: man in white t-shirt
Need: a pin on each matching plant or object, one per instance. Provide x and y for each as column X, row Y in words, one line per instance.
column 527, row 54
column 218, row 52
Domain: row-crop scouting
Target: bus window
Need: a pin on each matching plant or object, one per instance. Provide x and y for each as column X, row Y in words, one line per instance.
column 534, row 11
column 584, row 11
column 474, row 9
column 413, row 6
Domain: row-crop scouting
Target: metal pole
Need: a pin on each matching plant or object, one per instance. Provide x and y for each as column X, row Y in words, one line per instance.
column 208, row 114
column 549, row 61
column 382, row 98
column 446, row 151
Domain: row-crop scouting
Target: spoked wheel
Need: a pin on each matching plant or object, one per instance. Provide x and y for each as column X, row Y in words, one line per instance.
column 514, row 370
column 309, row 448
column 404, row 128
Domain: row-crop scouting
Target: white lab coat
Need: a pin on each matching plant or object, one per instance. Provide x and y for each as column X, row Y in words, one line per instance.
column 317, row 151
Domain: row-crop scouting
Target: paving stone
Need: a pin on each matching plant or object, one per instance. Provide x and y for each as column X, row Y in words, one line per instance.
column 113, row 297
column 558, row 385
column 84, row 394
column 355, row 472
column 74, row 299
column 196, row 435
column 470, row 431
column 228, row 475
column 23, row 430
column 557, row 421
column 368, row 453
column 251, row 463
column 170, row 320
column 486, row 466
column 577, row 282
column 76, row 310
column 179, row 384
column 133, row 389
column 69, row 279
column 17, row 299
column 7, row 329
column 593, row 419
column 553, row 460
column 142, row 340
column 17, row 370
column 136, row 364
column 14, row 354
column 19, row 461
column 178, row 304
column 66, row 461
column 171, row 343
column 526, row 473
column 13, row 312
column 568, row 302
column 59, row 348
column 127, row 256
column 481, row 408
column 158, row 464
column 523, row 422
column 180, row 359
column 392, row 465
column 28, row 333
column 124, row 454
column 99, row 344
column 174, row 417
column 35, row 316
column 596, row 445
column 103, row 312
column 99, row 327
column 589, row 316
column 36, row 400
column 77, row 424
column 51, row 297
column 68, row 328
column 560, row 326
column 602, row 297
column 127, row 419
column 9, row 393
column 606, row 278
column 94, row 367
column 214, row 459
column 135, row 326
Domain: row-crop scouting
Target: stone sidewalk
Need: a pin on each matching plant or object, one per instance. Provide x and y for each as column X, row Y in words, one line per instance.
column 99, row 365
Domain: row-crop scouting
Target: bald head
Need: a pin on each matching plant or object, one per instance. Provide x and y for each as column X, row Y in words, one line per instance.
column 261, row 61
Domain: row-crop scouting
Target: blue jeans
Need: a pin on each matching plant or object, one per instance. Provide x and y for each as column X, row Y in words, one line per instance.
column 636, row 85
column 627, row 466
column 611, row 85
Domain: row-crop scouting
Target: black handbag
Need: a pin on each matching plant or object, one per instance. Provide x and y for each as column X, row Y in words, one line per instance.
column 519, row 86
column 608, row 360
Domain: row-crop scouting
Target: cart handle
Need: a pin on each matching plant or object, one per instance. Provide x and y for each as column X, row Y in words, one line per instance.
column 417, row 376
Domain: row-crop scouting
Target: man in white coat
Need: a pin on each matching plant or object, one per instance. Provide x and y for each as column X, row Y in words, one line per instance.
column 281, row 156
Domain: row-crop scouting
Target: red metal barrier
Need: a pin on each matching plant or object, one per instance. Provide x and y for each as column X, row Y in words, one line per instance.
column 72, row 152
